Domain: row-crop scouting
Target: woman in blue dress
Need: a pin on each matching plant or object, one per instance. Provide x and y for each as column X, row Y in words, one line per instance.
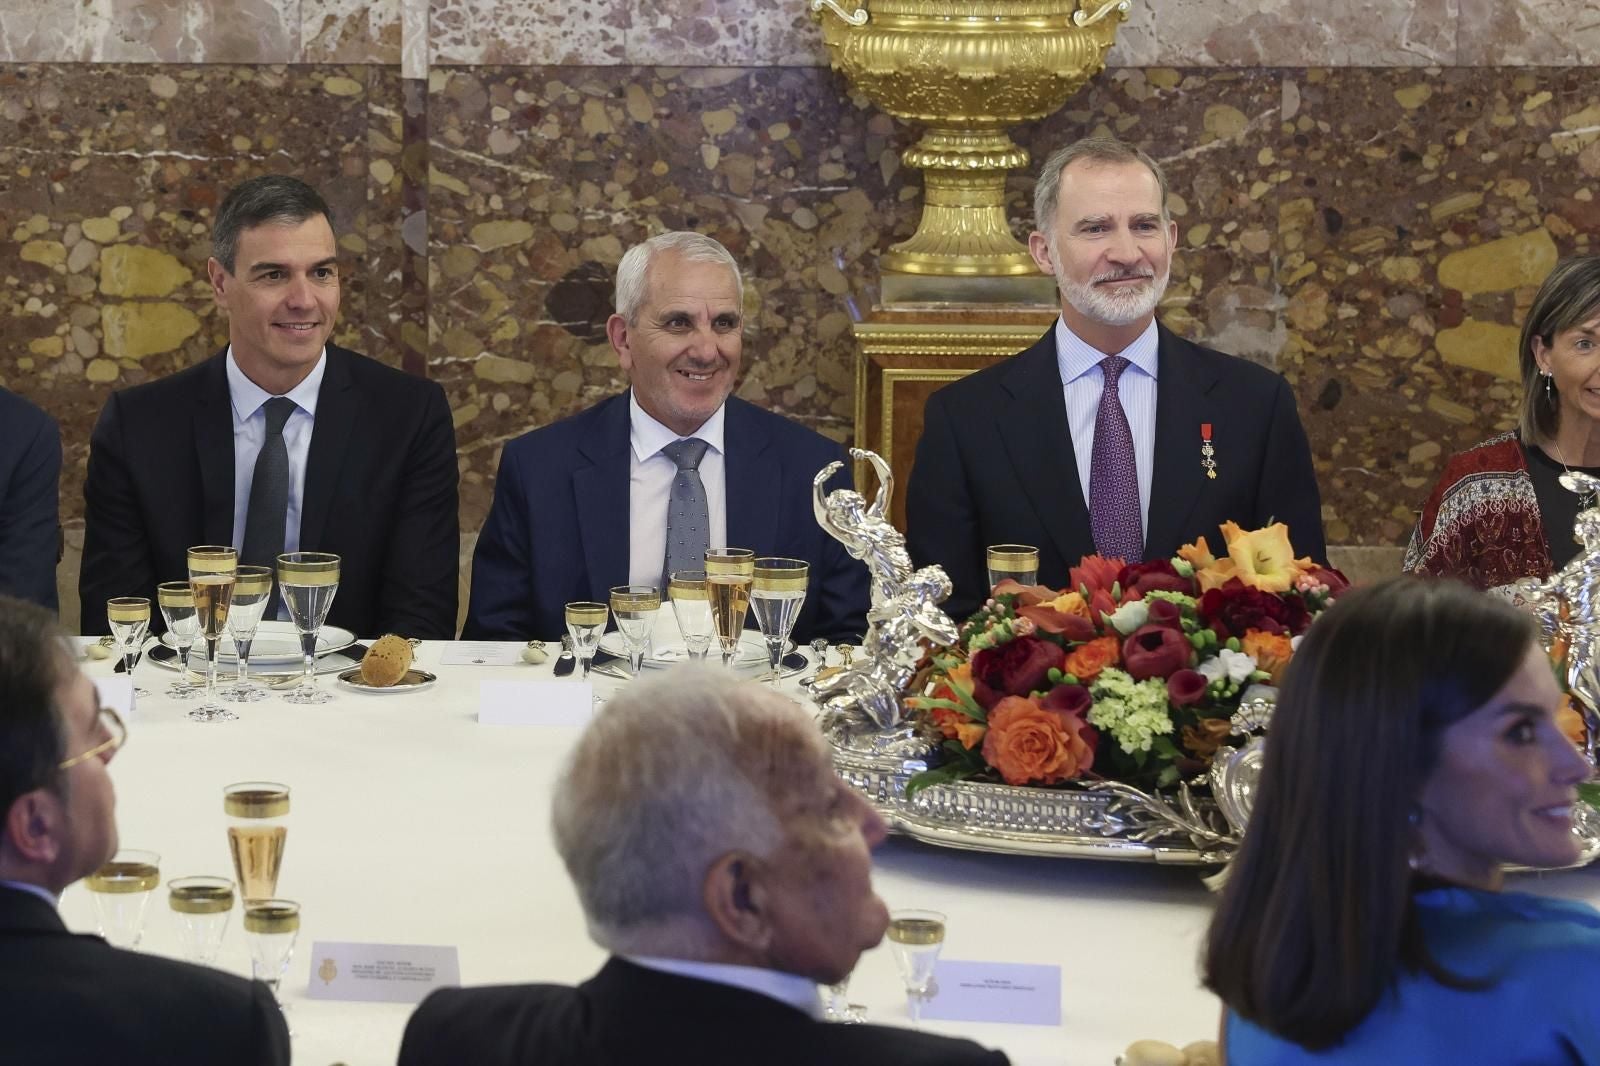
column 1414, row 752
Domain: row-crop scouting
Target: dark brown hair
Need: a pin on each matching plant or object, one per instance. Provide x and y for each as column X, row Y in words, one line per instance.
column 32, row 737
column 1568, row 298
column 1316, row 919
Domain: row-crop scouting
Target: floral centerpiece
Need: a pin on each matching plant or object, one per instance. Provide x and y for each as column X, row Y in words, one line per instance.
column 1130, row 674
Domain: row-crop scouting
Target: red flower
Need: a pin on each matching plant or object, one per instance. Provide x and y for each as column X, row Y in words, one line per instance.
column 1186, row 687
column 1137, row 579
column 1327, row 575
column 1015, row 668
column 1164, row 613
column 1234, row 609
column 1068, row 699
column 1155, row 651
column 1096, row 573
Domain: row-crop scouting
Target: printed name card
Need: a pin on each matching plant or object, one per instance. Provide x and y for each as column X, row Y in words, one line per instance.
column 542, row 702
column 380, row 973
column 1011, row 992
column 481, row 653
column 116, row 692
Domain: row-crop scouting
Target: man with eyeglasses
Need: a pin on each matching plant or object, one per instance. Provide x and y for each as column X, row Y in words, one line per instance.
column 67, row 998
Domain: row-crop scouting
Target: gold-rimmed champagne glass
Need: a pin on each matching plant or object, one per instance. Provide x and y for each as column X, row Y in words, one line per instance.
column 1019, row 562
column 211, row 576
column 177, row 609
column 308, row 582
column 916, row 938
column 200, row 906
column 692, row 608
column 257, row 832
column 252, row 591
column 635, row 608
column 777, row 593
column 120, row 890
column 586, row 621
column 129, row 617
column 271, row 926
column 729, row 573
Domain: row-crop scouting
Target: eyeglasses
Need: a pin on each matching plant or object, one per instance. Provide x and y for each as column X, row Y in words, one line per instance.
column 117, row 734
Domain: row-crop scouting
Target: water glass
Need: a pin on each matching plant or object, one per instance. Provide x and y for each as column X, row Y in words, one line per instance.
column 252, row 591
column 777, row 593
column 121, row 890
column 177, row 610
column 308, row 582
column 200, row 906
column 692, row 608
column 586, row 621
column 1019, row 562
column 635, row 608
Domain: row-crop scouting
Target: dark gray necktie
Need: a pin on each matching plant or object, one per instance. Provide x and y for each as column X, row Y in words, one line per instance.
column 264, row 522
column 688, row 519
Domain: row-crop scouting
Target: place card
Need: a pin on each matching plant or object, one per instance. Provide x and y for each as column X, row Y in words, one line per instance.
column 541, row 702
column 481, row 653
column 380, row 973
column 1015, row 993
column 116, row 692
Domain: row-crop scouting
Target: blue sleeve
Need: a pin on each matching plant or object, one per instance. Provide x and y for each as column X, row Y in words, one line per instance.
column 30, row 521
column 500, row 606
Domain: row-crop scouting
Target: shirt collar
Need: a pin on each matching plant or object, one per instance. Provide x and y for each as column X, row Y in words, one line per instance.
column 798, row 992
column 647, row 436
column 1076, row 356
column 247, row 397
column 38, row 890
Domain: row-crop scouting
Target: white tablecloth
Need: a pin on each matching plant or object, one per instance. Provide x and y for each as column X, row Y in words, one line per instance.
column 413, row 824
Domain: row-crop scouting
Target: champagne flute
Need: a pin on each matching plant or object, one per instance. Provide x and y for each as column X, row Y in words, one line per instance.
column 308, row 582
column 729, row 573
column 257, row 811
column 777, row 593
column 916, row 938
column 130, row 621
column 177, row 608
column 635, row 608
column 836, row 1005
column 120, row 890
column 692, row 608
column 1019, row 562
column 252, row 591
column 211, row 576
column 271, row 926
column 586, row 620
column 201, row 906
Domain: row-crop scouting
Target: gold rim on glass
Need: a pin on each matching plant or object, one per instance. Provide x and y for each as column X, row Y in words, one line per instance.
column 308, row 568
column 128, row 871
column 256, row 799
column 252, row 581
column 776, row 574
column 1013, row 557
column 730, row 562
column 271, row 916
column 200, row 895
column 128, row 609
column 687, row 585
column 635, row 598
column 213, row 559
column 587, row 613
column 175, row 594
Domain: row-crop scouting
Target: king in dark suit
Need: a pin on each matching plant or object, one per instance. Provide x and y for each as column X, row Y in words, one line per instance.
column 1111, row 434
column 597, row 500
column 280, row 442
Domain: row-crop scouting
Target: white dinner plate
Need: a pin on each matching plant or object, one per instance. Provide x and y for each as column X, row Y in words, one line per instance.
column 752, row 651
column 276, row 644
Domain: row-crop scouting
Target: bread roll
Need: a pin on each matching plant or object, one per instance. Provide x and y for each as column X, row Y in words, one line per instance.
column 387, row 661
column 1152, row 1053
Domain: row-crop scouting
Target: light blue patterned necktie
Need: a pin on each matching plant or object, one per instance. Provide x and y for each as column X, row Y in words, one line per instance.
column 688, row 518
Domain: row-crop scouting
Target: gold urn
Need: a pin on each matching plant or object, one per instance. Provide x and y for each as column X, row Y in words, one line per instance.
column 966, row 70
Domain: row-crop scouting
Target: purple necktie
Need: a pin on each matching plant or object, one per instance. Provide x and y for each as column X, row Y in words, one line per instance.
column 1114, row 512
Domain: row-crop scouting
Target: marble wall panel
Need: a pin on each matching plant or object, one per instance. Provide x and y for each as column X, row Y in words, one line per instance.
column 1289, row 33
column 151, row 31
column 586, row 32
column 1528, row 32
column 351, row 31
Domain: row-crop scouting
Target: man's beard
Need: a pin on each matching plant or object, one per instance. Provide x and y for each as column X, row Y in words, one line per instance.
column 1114, row 307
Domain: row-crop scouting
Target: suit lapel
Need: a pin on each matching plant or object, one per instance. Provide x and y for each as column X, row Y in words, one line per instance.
column 213, row 438
column 1034, row 429
column 1184, row 380
column 338, row 409
column 601, row 493
column 754, row 475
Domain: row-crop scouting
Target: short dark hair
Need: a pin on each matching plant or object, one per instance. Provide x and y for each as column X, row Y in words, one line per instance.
column 1568, row 298
column 33, row 660
column 268, row 198
column 1316, row 919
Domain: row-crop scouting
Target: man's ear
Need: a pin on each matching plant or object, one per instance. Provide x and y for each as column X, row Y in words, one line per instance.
column 1039, row 248
column 34, row 825
column 735, row 900
column 617, row 334
column 218, row 276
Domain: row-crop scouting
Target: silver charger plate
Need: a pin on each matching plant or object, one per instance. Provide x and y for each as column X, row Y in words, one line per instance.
column 414, row 681
column 266, row 673
column 277, row 643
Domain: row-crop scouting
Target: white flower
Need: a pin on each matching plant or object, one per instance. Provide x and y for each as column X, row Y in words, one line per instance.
column 1234, row 665
column 1129, row 616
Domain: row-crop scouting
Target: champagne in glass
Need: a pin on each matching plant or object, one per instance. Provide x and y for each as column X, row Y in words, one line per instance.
column 776, row 596
column 130, row 621
column 201, row 906
column 916, row 937
column 635, row 608
column 120, row 890
column 177, row 608
column 1019, row 562
column 586, row 621
column 308, row 582
column 211, row 576
column 271, row 926
column 692, row 608
column 729, row 572
column 252, row 591
column 256, row 834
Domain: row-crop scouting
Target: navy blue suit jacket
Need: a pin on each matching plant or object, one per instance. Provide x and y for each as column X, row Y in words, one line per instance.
column 30, row 484
column 558, row 528
column 995, row 465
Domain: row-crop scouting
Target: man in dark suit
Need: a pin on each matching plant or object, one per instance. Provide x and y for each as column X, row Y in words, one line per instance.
column 281, row 442
column 598, row 499
column 1111, row 434
column 65, row 998
column 30, row 521
column 728, row 870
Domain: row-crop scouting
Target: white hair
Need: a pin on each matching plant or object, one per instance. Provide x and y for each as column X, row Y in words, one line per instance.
column 671, row 775
column 633, row 273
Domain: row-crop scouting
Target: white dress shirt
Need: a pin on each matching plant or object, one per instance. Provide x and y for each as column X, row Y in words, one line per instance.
column 798, row 992
column 250, row 432
column 650, row 476
column 38, row 890
column 1083, row 381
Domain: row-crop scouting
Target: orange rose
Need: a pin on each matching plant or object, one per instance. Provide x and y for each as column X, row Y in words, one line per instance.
column 1027, row 743
column 1087, row 660
column 1570, row 720
column 957, row 726
column 1070, row 603
column 1271, row 651
column 1206, row 737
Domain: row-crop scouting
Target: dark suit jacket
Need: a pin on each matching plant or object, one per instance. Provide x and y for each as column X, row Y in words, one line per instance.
column 67, row 1000
column 558, row 528
column 627, row 1015
column 30, row 520
column 995, row 465
column 380, row 492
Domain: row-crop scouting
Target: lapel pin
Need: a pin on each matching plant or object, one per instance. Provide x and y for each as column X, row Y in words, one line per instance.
column 1207, row 453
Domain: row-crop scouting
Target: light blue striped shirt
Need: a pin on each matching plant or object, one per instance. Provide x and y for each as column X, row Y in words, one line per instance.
column 250, row 432
column 1082, row 381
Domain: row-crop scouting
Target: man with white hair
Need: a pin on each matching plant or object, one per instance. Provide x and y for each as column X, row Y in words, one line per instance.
column 1112, row 434
column 642, row 483
column 728, row 870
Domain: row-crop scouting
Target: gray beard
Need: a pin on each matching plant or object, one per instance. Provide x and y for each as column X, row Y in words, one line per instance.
column 1117, row 308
